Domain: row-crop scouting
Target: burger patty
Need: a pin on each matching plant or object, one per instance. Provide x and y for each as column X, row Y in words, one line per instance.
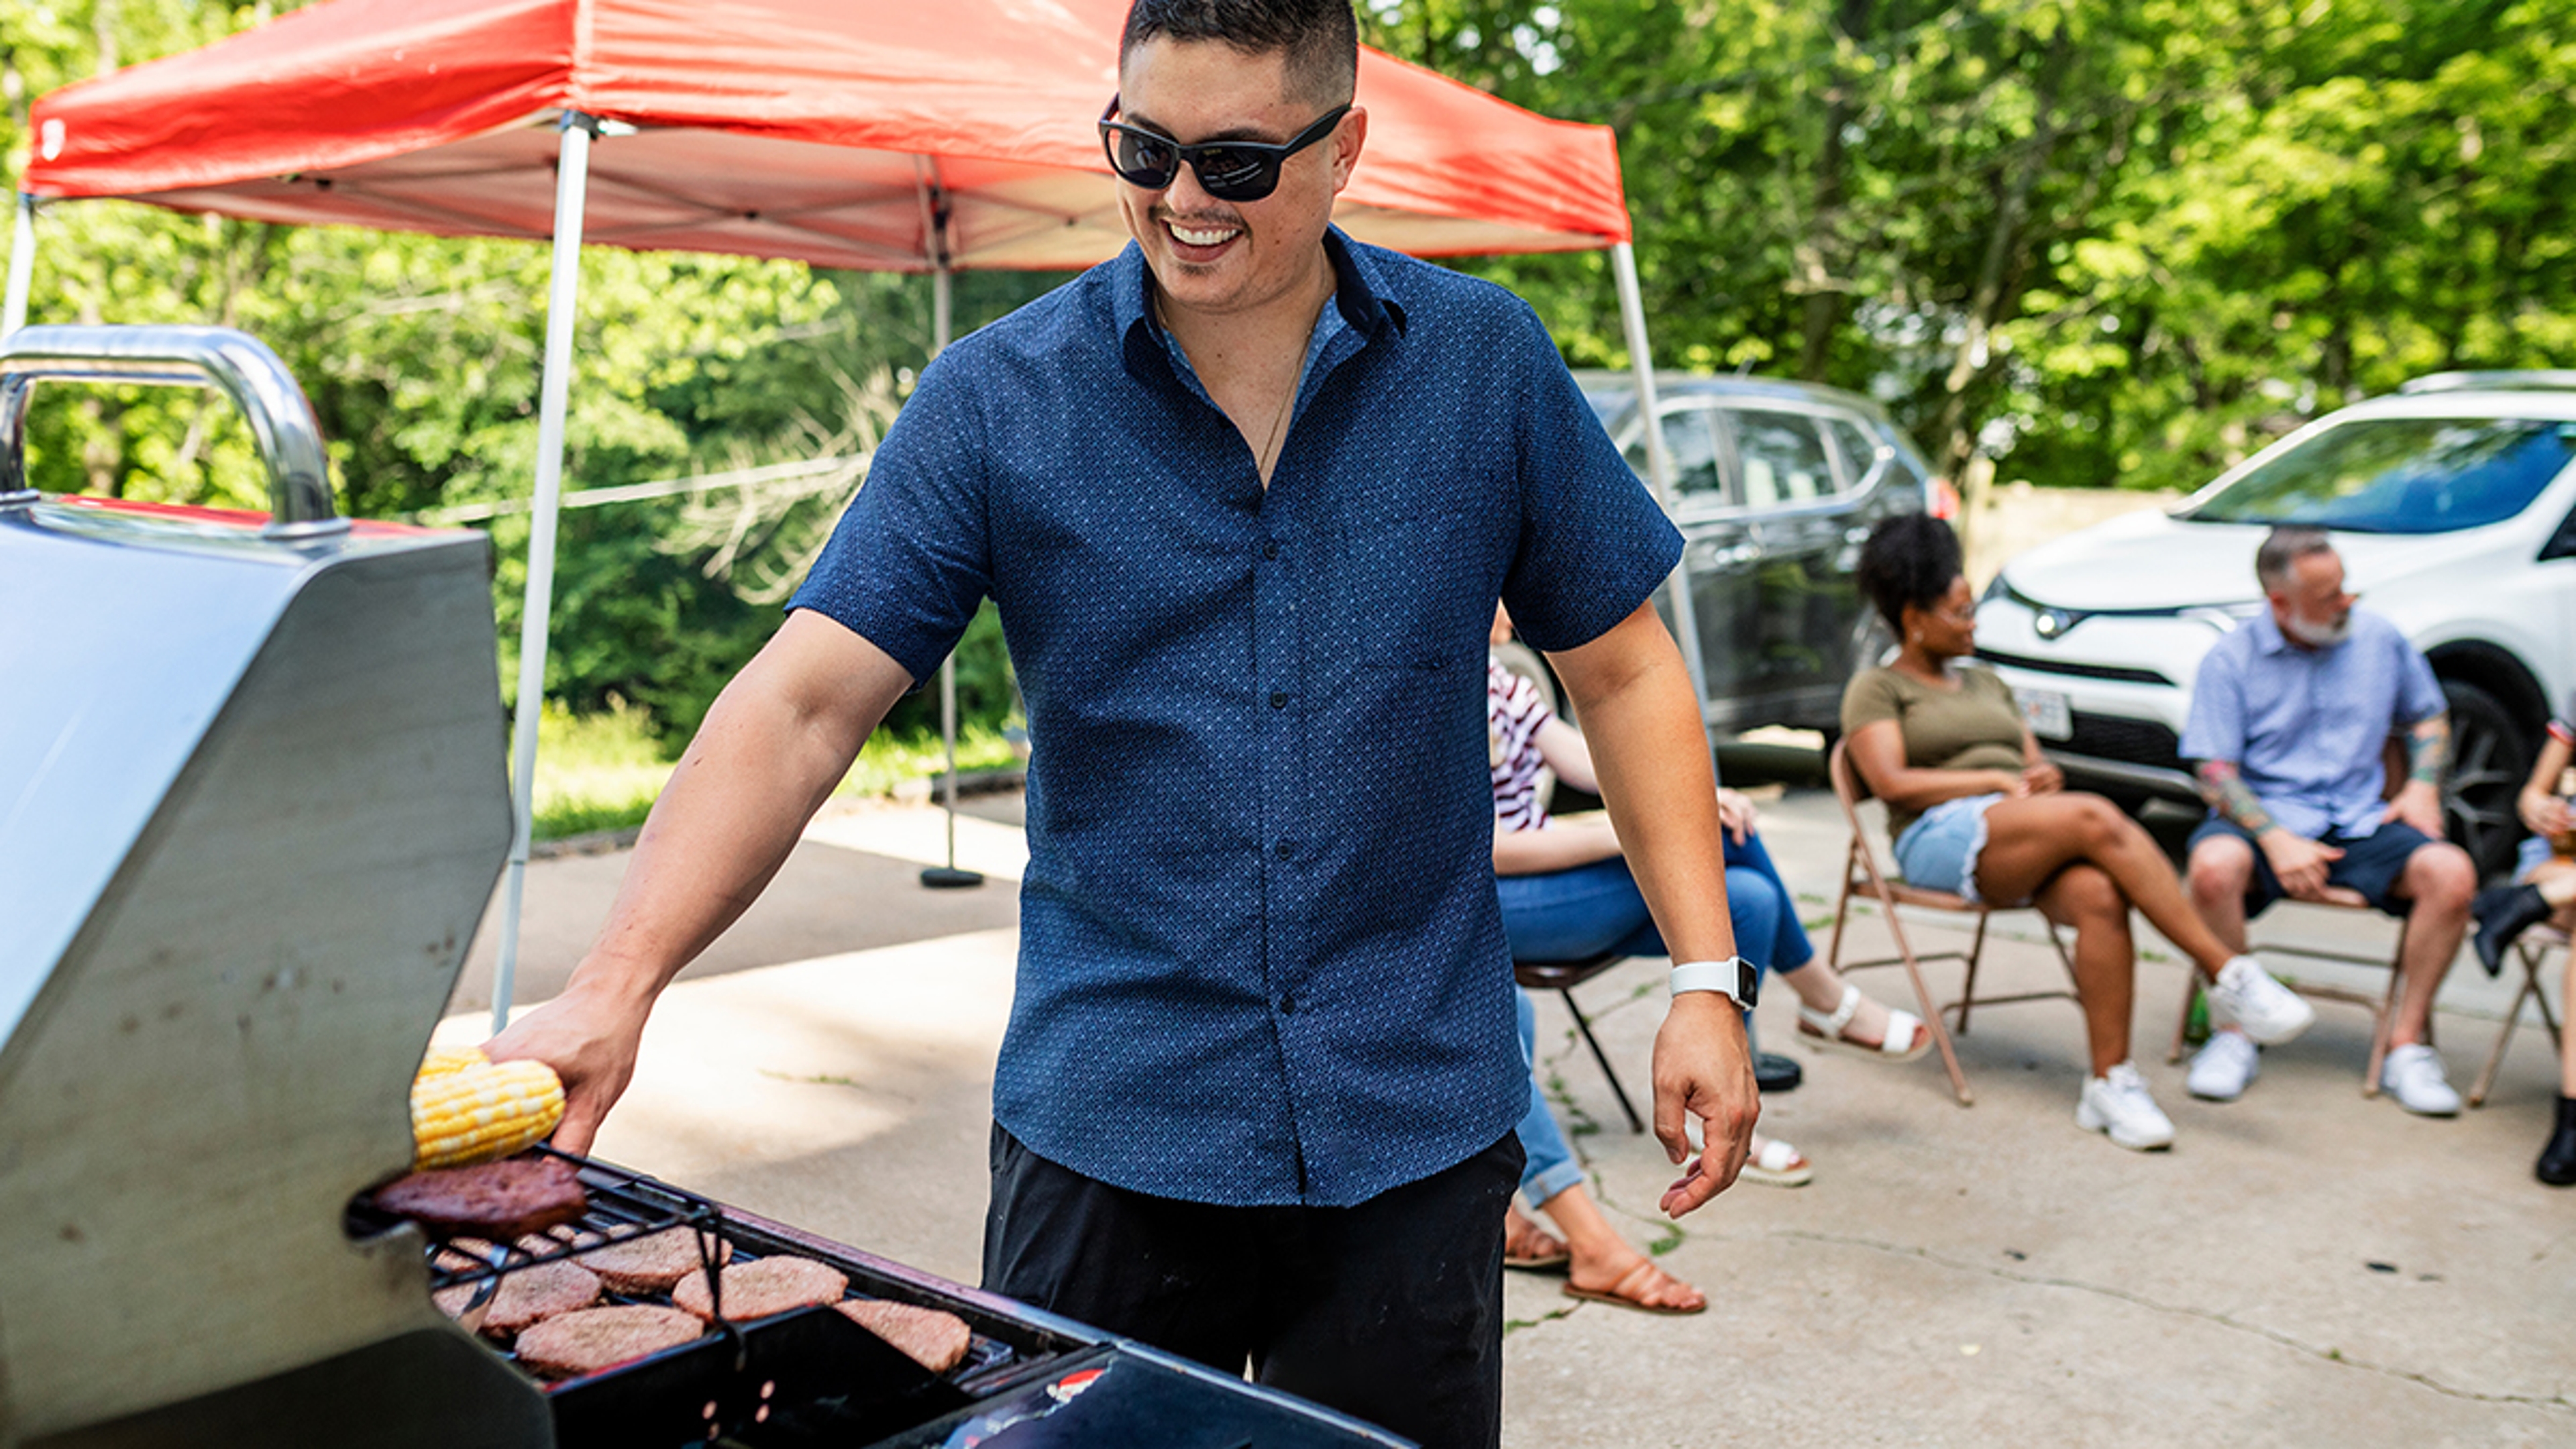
column 759, row 1289
column 652, row 1263
column 592, row 1339
column 504, row 1200
column 526, row 1296
column 937, row 1341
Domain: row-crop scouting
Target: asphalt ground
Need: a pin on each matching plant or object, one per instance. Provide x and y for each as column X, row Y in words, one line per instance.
column 2304, row 1267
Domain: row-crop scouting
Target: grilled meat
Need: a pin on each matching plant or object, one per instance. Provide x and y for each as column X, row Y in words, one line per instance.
column 759, row 1289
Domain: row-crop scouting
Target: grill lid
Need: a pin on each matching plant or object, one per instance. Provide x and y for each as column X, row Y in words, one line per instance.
column 251, row 806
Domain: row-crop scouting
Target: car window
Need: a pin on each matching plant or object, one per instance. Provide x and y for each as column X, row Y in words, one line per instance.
column 1783, row 458
column 1692, row 441
column 2401, row 475
column 1859, row 447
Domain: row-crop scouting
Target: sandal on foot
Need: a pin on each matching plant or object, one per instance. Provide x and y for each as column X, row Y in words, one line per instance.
column 1629, row 1292
column 1533, row 1249
column 1905, row 1039
column 1778, row 1165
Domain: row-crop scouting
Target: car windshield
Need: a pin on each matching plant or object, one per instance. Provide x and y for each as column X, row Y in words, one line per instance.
column 2401, row 475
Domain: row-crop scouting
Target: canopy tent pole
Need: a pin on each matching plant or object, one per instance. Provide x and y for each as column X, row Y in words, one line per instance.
column 1659, row 465
column 22, row 267
column 563, row 298
column 946, row 877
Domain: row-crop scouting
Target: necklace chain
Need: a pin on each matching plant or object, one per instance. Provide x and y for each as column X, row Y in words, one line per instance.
column 1268, row 453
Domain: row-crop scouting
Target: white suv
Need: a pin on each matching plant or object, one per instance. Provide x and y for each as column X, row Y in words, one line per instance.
column 2453, row 504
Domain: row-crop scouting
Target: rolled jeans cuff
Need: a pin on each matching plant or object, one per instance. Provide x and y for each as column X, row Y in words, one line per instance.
column 1548, row 1181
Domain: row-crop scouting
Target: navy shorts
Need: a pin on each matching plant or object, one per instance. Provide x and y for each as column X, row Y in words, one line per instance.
column 2372, row 864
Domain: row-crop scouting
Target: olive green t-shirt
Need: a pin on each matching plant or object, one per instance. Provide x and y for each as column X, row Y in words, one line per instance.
column 1973, row 727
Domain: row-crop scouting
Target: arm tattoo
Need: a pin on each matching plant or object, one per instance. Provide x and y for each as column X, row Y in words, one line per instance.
column 2428, row 750
column 2229, row 795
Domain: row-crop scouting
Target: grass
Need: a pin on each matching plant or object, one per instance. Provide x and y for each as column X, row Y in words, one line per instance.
column 603, row 771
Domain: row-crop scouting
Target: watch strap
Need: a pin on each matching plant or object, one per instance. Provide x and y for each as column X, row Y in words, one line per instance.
column 1735, row 977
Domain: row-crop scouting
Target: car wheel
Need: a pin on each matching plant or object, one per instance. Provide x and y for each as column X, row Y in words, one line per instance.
column 2489, row 761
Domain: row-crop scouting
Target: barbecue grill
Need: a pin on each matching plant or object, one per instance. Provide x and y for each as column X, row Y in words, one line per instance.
column 252, row 803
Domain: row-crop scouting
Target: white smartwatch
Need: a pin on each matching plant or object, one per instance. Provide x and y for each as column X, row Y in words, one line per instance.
column 1736, row 977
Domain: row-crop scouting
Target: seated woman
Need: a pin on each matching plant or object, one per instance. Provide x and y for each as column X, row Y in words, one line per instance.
column 2544, row 889
column 1975, row 810
column 1567, row 894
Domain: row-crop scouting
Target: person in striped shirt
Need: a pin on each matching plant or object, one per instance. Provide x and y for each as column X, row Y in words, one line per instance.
column 1567, row 894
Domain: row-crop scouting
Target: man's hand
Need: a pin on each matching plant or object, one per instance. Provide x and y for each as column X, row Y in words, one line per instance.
column 2299, row 862
column 2419, row 805
column 1703, row 1069
column 2042, row 777
column 591, row 1041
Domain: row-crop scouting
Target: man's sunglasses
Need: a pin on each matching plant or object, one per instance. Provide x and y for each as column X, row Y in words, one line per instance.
column 1228, row 170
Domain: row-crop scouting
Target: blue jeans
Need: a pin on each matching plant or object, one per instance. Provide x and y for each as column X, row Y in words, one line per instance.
column 1567, row 915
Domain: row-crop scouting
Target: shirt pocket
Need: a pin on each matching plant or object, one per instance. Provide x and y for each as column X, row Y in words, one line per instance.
column 1409, row 591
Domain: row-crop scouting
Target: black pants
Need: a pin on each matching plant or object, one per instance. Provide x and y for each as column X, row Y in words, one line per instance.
column 1391, row 1311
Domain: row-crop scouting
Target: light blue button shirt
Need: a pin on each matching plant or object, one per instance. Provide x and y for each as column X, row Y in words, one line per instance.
column 2309, row 728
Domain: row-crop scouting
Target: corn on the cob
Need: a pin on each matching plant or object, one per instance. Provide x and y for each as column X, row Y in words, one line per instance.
column 451, row 1061
column 466, row 1109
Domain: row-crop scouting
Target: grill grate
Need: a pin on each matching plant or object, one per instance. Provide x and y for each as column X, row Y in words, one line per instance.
column 810, row 1366
column 623, row 1206
column 2138, row 742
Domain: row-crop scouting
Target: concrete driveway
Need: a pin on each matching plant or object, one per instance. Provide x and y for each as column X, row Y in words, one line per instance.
column 2304, row 1267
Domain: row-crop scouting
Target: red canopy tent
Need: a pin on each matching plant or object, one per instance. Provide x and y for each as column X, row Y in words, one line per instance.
column 846, row 133
column 805, row 129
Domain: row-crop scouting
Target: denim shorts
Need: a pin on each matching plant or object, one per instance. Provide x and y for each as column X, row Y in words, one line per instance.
column 2533, row 854
column 1939, row 851
column 2372, row 864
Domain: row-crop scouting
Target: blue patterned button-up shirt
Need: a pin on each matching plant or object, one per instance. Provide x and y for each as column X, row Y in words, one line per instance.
column 1261, row 960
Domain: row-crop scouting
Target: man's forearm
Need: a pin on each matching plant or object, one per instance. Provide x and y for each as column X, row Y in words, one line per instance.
column 2428, row 751
column 1651, row 756
column 769, row 754
column 2229, row 795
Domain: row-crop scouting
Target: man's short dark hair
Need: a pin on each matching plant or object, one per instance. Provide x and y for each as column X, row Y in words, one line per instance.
column 2285, row 546
column 1912, row 560
column 1319, row 37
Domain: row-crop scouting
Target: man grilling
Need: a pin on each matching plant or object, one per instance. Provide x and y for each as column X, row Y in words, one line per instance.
column 1245, row 497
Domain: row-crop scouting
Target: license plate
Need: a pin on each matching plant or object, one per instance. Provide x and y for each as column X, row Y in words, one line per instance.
column 2046, row 712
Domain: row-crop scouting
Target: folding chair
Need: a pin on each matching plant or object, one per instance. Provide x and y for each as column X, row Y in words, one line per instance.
column 2383, row 1009
column 1562, row 977
column 1863, row 878
column 2532, row 949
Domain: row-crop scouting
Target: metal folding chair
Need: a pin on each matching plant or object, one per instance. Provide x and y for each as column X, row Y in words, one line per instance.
column 1562, row 977
column 1863, row 878
column 2382, row 1008
column 2531, row 951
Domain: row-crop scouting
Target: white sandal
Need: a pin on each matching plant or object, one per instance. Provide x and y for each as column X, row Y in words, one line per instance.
column 1902, row 1026
column 1778, row 1165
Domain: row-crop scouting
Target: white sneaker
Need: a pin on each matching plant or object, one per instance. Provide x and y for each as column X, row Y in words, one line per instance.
column 2224, row 1068
column 2413, row 1075
column 2117, row 1103
column 2246, row 996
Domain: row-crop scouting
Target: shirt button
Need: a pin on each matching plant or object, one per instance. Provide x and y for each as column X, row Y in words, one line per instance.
column 1286, row 850
column 1278, row 699
column 1270, row 548
column 1288, row 1005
